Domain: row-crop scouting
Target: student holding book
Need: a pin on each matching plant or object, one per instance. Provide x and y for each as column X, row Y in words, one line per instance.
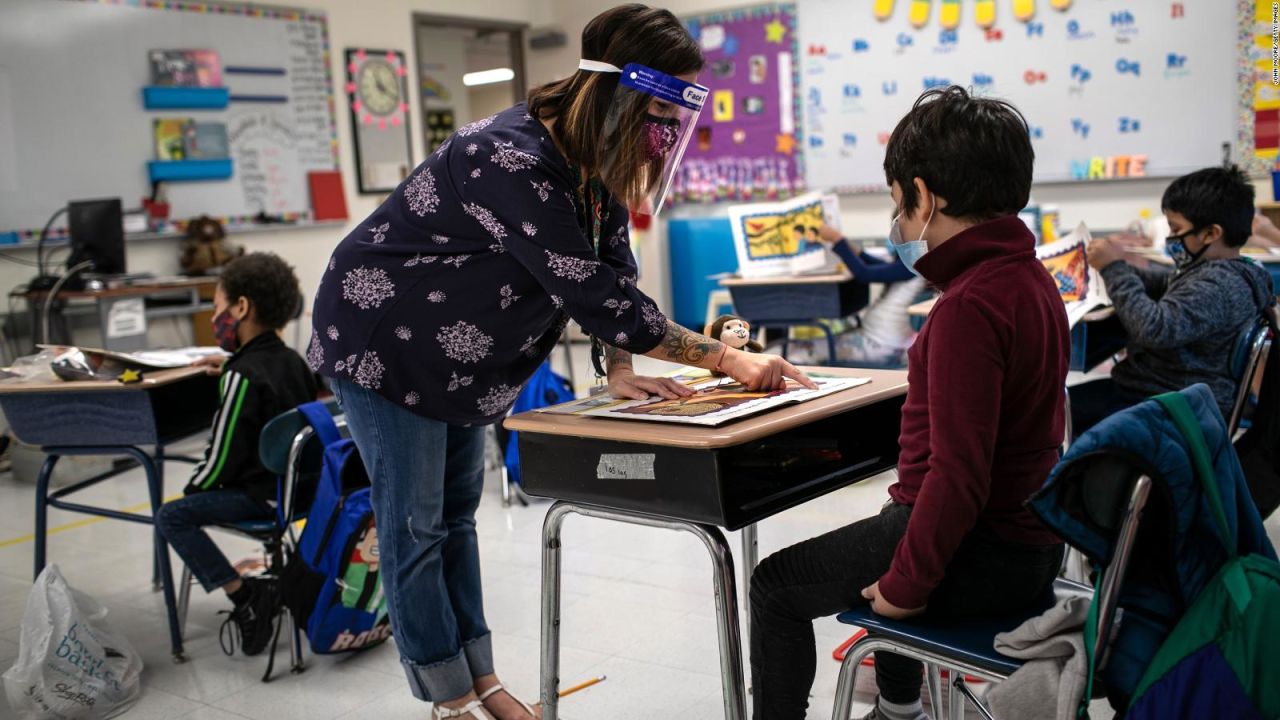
column 981, row 426
column 1182, row 322
column 883, row 332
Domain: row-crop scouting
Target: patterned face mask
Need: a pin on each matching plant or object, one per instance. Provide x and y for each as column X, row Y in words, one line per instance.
column 224, row 331
column 661, row 135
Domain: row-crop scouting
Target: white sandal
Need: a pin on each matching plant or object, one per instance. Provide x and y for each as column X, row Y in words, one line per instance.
column 503, row 688
column 475, row 709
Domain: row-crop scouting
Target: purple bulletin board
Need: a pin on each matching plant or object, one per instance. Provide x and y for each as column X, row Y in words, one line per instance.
column 747, row 143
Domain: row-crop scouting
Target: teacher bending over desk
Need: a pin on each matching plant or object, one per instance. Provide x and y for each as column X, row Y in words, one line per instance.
column 438, row 307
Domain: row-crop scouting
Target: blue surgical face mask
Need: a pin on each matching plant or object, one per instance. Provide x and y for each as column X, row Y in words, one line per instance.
column 1175, row 246
column 910, row 251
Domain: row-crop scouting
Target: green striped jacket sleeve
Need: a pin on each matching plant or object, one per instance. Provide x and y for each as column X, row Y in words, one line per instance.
column 230, row 445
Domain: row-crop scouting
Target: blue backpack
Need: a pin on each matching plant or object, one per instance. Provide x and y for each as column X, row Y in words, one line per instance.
column 544, row 388
column 332, row 583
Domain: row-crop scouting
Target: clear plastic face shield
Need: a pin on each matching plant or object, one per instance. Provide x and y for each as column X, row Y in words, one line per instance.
column 652, row 114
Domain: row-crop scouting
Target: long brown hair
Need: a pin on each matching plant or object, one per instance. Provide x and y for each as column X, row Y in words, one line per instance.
column 579, row 104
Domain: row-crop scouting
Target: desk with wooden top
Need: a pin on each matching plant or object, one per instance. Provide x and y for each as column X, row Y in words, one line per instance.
column 798, row 301
column 122, row 311
column 700, row 479
column 108, row 418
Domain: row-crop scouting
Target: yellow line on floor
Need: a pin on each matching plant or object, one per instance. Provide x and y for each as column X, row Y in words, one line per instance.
column 77, row 524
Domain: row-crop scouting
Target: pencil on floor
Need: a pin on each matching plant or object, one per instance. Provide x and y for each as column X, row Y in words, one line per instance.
column 582, row 686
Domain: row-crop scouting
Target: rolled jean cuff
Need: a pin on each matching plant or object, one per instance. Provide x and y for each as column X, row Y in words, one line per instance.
column 439, row 682
column 479, row 654
column 224, row 575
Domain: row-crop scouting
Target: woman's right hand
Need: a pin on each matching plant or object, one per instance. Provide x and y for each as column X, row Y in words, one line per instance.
column 758, row 371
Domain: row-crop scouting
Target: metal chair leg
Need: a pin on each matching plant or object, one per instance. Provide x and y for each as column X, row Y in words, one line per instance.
column 184, row 600
column 750, row 558
column 42, row 512
column 506, row 486
column 296, row 665
column 955, row 708
column 845, row 685
column 978, row 705
column 933, row 678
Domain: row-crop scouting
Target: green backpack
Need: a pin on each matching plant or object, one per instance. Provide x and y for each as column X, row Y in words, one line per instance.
column 1222, row 658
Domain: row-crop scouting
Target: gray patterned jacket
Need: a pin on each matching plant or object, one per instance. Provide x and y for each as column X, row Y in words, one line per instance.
column 1183, row 326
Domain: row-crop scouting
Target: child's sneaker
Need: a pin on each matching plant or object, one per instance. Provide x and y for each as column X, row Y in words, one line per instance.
column 250, row 620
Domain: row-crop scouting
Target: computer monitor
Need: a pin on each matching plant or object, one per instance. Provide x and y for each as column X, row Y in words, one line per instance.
column 97, row 235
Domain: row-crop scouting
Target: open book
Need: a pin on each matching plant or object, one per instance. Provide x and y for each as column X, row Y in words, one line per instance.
column 781, row 238
column 715, row 402
column 1080, row 286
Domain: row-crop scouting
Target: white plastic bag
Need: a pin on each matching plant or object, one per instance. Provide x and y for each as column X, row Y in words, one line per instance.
column 70, row 665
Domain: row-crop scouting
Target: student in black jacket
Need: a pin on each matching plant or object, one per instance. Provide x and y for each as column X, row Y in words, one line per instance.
column 256, row 296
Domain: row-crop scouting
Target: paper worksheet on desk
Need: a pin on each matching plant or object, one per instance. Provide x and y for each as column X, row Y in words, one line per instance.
column 715, row 402
column 781, row 238
column 156, row 359
column 1080, row 286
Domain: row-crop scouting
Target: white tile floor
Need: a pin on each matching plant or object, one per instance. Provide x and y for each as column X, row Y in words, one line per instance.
column 637, row 607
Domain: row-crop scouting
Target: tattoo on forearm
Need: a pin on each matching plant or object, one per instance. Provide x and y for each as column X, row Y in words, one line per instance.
column 681, row 345
column 614, row 357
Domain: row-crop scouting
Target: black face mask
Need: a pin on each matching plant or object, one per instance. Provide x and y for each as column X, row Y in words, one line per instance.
column 1175, row 246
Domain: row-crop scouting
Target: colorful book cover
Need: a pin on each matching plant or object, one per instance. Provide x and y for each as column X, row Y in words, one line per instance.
column 172, row 68
column 781, row 238
column 171, row 138
column 1080, row 286
column 208, row 68
column 208, row 141
column 185, row 68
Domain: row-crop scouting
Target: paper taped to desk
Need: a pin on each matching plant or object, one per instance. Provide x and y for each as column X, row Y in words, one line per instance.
column 625, row 466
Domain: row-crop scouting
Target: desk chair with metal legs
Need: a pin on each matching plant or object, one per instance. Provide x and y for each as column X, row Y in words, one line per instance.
column 1247, row 364
column 964, row 648
column 289, row 448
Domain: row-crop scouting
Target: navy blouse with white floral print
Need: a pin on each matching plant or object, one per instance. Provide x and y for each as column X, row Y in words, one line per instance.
column 449, row 296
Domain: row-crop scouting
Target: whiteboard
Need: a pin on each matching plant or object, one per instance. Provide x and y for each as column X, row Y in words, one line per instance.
column 1102, row 78
column 73, row 124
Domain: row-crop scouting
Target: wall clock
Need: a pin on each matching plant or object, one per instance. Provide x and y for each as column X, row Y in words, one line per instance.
column 378, row 96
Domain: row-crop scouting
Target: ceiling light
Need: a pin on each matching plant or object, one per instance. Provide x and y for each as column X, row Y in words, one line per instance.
column 488, row 77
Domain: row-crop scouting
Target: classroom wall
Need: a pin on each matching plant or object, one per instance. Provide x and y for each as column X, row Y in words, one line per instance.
column 368, row 23
column 387, row 24
column 1106, row 206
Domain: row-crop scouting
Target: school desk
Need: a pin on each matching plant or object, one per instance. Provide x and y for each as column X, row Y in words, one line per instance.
column 797, row 301
column 108, row 418
column 123, row 312
column 698, row 480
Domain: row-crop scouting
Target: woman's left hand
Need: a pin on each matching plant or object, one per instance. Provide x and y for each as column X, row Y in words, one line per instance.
column 626, row 384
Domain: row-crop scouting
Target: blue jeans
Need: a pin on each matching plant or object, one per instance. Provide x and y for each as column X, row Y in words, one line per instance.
column 181, row 520
column 427, row 480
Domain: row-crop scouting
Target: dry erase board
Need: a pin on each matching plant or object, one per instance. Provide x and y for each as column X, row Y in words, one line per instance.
column 73, row 125
column 1110, row 88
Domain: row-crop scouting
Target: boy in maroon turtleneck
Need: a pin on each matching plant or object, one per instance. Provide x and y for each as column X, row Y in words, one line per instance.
column 981, row 426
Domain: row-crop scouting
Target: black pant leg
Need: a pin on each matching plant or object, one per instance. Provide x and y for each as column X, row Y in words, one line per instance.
column 813, row 579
